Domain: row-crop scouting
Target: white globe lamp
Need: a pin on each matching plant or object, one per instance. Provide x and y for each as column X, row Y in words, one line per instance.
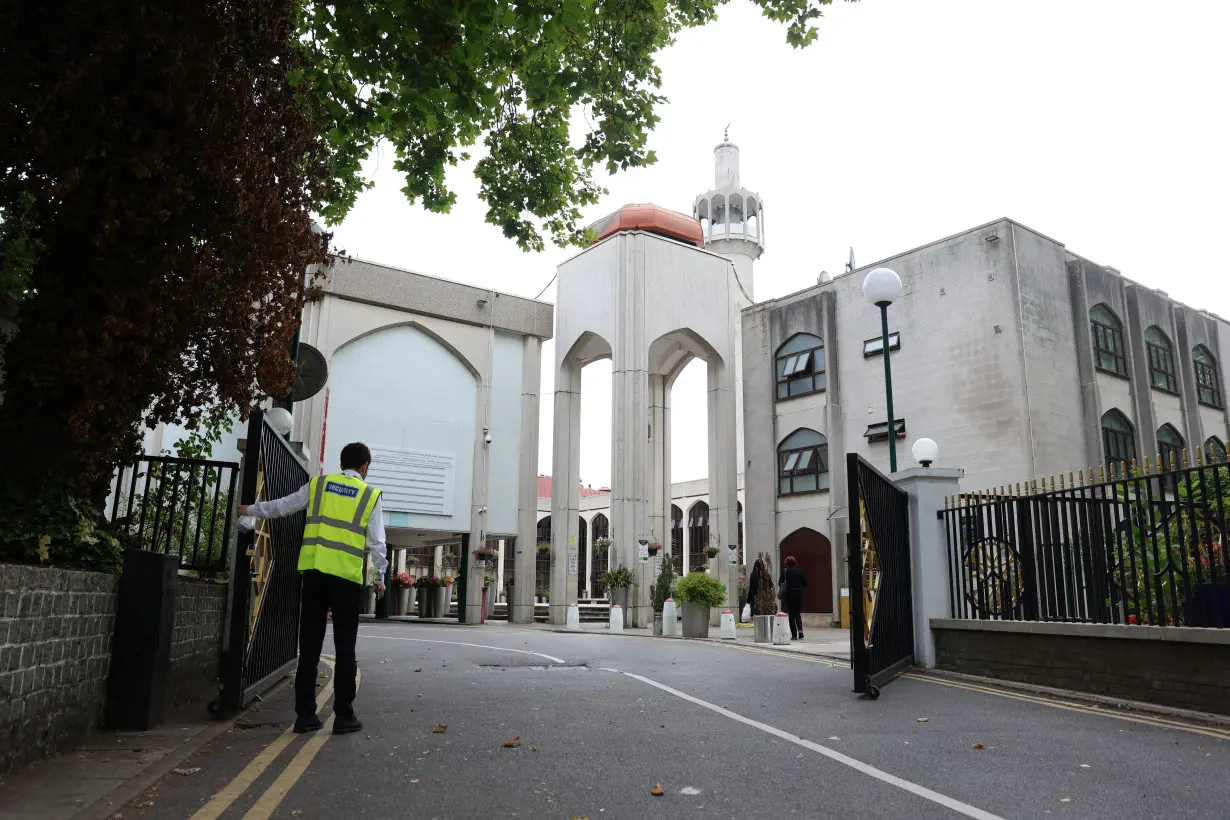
column 925, row 451
column 280, row 420
column 882, row 287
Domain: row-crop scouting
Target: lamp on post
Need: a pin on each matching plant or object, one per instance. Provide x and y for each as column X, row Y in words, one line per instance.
column 925, row 451
column 881, row 288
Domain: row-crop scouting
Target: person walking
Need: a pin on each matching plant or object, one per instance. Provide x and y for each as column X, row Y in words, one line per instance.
column 792, row 583
column 759, row 583
column 344, row 516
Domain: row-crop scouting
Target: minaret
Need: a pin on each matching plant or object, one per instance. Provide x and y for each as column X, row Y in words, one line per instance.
column 733, row 221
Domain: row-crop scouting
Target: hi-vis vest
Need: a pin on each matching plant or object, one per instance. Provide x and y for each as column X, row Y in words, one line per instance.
column 339, row 508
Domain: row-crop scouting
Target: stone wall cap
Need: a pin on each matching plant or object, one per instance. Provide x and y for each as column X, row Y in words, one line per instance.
column 929, row 474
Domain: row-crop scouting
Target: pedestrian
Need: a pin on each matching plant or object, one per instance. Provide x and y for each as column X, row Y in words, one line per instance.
column 345, row 516
column 791, row 585
column 760, row 597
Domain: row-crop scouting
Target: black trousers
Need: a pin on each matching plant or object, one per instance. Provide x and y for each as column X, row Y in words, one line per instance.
column 794, row 608
column 321, row 593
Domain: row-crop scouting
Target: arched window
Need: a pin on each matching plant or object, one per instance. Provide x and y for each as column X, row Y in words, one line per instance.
column 677, row 538
column 698, row 535
column 1118, row 441
column 1215, row 449
column 1169, row 447
column 1161, row 360
column 599, row 527
column 1208, row 385
column 800, row 366
column 1108, row 350
column 802, row 463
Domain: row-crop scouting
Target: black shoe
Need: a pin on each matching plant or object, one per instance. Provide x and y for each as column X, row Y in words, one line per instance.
column 310, row 723
column 345, row 724
column 800, row 636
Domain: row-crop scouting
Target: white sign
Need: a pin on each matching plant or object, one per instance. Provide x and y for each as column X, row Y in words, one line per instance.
column 642, row 551
column 414, row 481
column 572, row 561
column 733, row 550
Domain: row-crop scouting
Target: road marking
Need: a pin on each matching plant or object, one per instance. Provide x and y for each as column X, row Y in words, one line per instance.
column 857, row 765
column 1070, row 706
column 798, row 656
column 459, row 643
column 231, row 792
column 268, row 802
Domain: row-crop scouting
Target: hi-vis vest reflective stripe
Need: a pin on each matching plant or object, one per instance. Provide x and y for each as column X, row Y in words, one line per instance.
column 339, row 508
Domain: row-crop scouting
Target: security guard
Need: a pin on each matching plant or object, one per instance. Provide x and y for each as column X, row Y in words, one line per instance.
column 345, row 516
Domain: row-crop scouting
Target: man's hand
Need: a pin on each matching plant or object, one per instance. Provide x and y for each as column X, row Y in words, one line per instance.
column 379, row 587
column 243, row 509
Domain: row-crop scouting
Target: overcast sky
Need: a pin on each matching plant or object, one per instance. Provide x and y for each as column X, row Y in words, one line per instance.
column 1100, row 123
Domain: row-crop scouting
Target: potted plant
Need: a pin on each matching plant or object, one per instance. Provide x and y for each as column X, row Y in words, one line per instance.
column 541, row 594
column 711, row 552
column 369, row 599
column 663, row 588
column 618, row 582
column 654, row 548
column 544, row 547
column 601, row 547
column 427, row 599
column 764, row 607
column 486, row 553
column 401, row 593
column 699, row 592
column 444, row 594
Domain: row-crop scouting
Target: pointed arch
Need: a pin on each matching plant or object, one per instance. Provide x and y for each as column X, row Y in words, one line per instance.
column 1118, row 438
column 1109, row 352
column 1215, row 449
column 1208, row 382
column 803, row 463
column 1170, row 446
column 800, row 366
column 698, row 535
column 1161, row 360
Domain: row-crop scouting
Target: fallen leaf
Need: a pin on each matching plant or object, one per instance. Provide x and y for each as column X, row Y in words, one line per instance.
column 415, row 780
column 834, row 737
column 657, row 790
column 1086, row 766
column 440, row 729
column 923, row 720
column 533, row 748
column 978, row 746
column 1065, row 800
column 512, row 743
column 186, row 772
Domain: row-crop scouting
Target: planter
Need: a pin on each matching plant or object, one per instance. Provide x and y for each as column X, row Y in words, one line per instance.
column 657, row 624
column 619, row 595
column 489, row 596
column 695, row 620
column 369, row 601
column 424, row 605
column 762, row 628
column 442, row 601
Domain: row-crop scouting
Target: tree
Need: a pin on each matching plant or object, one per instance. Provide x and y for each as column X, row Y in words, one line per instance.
column 434, row 78
column 165, row 170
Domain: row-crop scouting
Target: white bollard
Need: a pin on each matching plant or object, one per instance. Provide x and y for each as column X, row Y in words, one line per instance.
column 574, row 617
column 617, row 618
column 727, row 629
column 781, row 630
column 670, row 619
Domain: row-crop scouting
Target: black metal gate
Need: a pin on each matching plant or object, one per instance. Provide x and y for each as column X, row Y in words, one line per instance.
column 881, row 600
column 263, row 617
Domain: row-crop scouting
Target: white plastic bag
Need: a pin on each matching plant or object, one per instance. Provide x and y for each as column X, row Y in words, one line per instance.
column 746, row 615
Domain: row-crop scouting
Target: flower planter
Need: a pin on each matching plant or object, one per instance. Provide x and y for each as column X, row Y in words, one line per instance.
column 657, row 624
column 619, row 595
column 762, row 628
column 695, row 620
column 442, row 601
column 489, row 596
column 369, row 601
column 425, row 597
column 401, row 601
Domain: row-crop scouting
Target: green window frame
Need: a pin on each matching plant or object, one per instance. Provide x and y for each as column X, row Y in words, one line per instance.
column 1108, row 347
column 1161, row 361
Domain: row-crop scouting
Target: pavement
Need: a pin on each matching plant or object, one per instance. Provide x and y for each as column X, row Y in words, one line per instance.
column 524, row 722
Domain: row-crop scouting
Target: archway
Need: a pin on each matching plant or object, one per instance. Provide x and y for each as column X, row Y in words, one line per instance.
column 600, row 527
column 815, row 556
column 698, row 535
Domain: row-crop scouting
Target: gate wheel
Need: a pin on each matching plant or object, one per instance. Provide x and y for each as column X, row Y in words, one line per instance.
column 873, row 692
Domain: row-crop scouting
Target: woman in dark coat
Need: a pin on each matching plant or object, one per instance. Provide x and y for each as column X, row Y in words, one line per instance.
column 759, row 578
column 792, row 583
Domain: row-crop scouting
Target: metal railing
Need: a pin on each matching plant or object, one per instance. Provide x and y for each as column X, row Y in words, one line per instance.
column 1142, row 546
column 177, row 506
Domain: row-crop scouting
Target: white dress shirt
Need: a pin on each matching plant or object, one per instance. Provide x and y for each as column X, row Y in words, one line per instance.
column 298, row 500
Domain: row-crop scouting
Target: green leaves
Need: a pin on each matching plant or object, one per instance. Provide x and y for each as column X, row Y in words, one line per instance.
column 699, row 587
column 434, row 78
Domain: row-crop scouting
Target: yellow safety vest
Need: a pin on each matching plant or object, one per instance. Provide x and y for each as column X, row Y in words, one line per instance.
column 334, row 539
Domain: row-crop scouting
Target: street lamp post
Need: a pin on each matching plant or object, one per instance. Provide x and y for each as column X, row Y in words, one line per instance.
column 881, row 288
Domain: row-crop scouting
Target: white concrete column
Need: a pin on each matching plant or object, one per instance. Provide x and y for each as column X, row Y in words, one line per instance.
column 527, row 504
column 437, row 561
column 660, row 484
column 478, row 505
column 499, row 578
column 926, row 488
column 631, row 471
column 565, row 491
column 687, row 541
column 723, row 503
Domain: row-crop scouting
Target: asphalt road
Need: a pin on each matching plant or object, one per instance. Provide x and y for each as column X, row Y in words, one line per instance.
column 727, row 732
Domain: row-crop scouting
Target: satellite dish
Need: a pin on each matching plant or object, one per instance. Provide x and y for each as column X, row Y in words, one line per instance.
column 311, row 373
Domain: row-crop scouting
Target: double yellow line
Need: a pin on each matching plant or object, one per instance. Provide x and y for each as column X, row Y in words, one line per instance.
column 273, row 796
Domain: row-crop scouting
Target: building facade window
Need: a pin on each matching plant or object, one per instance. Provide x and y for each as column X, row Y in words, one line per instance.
column 1108, row 349
column 1215, row 449
column 800, row 366
column 802, row 463
column 1161, row 360
column 1169, row 447
column 1208, row 385
column 879, row 431
column 1118, row 439
column 875, row 347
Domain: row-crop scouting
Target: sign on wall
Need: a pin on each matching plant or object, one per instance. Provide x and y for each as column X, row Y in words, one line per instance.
column 414, row 481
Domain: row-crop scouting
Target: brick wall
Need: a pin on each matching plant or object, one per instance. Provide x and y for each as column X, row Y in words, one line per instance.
column 56, row 628
column 1170, row 666
column 200, row 615
column 55, row 655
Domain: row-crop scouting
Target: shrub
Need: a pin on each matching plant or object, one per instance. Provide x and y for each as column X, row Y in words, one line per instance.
column 701, row 589
column 618, row 578
column 665, row 586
